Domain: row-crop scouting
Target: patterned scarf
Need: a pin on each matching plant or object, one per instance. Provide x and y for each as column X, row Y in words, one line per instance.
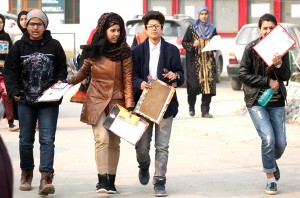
column 203, row 29
column 100, row 45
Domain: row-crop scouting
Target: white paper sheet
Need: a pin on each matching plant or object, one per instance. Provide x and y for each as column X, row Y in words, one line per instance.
column 54, row 93
column 130, row 128
column 213, row 44
column 277, row 41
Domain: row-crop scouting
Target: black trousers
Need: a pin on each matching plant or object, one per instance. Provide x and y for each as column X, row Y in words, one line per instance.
column 205, row 102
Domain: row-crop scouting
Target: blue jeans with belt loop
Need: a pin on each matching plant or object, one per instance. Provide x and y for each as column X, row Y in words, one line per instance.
column 47, row 119
column 162, row 139
column 270, row 126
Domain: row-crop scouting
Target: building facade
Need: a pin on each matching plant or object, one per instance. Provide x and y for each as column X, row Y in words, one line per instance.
column 228, row 15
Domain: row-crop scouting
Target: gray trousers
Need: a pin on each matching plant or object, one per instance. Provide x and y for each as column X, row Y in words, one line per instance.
column 162, row 138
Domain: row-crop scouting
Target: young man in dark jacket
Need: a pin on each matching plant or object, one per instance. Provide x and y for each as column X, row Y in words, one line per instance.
column 164, row 56
column 268, row 120
column 35, row 63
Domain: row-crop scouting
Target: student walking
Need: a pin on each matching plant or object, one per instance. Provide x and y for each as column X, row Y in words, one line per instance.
column 38, row 61
column 268, row 120
column 153, row 58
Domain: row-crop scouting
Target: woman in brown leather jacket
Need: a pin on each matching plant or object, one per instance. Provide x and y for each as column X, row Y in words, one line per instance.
column 108, row 61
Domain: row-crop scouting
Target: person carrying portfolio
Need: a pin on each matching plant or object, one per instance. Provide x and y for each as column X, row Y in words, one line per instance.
column 157, row 59
column 200, row 66
column 269, row 120
column 34, row 64
column 108, row 61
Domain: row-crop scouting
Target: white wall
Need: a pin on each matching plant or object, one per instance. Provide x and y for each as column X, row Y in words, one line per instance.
column 4, row 5
column 90, row 11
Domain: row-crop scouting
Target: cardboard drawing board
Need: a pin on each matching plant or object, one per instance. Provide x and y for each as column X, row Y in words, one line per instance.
column 153, row 102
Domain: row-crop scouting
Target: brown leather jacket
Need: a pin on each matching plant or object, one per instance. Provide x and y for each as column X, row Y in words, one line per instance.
column 111, row 83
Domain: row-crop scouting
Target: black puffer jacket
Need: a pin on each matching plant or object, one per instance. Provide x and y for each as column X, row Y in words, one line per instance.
column 252, row 74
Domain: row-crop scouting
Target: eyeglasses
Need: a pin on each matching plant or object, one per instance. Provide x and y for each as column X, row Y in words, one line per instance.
column 35, row 24
column 152, row 26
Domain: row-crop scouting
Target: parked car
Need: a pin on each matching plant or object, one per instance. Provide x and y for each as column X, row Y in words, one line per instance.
column 174, row 30
column 250, row 32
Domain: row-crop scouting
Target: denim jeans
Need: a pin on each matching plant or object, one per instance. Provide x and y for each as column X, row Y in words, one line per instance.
column 162, row 138
column 270, row 126
column 47, row 120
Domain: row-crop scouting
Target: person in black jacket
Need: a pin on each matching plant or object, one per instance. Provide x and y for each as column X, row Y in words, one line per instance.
column 200, row 66
column 268, row 120
column 5, row 46
column 35, row 63
column 164, row 65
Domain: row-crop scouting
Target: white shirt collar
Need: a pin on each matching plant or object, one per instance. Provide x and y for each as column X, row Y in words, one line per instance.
column 153, row 47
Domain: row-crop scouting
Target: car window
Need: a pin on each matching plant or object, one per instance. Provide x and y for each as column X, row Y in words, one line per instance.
column 133, row 29
column 247, row 35
column 171, row 29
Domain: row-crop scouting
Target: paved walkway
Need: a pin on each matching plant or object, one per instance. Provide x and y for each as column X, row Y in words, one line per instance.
column 209, row 158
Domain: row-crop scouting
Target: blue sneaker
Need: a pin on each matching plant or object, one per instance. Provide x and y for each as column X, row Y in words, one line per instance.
column 271, row 188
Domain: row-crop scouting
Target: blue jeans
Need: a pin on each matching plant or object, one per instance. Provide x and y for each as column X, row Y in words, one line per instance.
column 47, row 119
column 270, row 126
column 162, row 138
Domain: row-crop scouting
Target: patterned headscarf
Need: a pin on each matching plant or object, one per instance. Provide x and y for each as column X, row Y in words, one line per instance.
column 203, row 29
column 113, row 51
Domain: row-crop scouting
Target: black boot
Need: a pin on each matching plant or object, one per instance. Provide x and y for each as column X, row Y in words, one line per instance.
column 144, row 175
column 102, row 183
column 192, row 110
column 159, row 186
column 111, row 184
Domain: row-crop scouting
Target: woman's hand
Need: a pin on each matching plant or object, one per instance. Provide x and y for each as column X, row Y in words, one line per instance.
column 196, row 43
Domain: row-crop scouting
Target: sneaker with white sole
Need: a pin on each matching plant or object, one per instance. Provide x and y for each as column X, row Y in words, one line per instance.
column 271, row 188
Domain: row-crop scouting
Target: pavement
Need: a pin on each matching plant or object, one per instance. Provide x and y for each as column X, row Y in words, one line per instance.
column 208, row 158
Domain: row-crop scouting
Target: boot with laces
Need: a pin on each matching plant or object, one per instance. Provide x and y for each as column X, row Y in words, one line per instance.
column 26, row 179
column 159, row 186
column 46, row 186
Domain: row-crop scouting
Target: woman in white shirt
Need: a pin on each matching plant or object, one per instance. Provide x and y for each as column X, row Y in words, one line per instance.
column 15, row 32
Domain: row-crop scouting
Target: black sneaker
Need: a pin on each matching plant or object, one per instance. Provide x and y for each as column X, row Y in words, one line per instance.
column 101, row 188
column 160, row 190
column 276, row 173
column 111, row 189
column 271, row 188
column 144, row 176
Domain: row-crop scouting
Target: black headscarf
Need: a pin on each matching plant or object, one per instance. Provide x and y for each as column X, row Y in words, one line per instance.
column 18, row 22
column 100, row 45
column 3, row 20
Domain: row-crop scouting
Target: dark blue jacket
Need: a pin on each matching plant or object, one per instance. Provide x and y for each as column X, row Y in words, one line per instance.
column 169, row 58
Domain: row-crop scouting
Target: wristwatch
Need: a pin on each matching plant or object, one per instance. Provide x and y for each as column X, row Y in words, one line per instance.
column 177, row 76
